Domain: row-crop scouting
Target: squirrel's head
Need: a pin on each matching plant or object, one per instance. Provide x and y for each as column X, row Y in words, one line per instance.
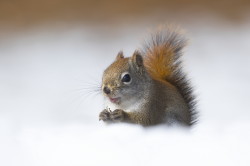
column 124, row 79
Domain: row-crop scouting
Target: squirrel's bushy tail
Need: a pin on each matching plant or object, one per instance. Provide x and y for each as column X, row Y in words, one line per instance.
column 163, row 51
column 162, row 60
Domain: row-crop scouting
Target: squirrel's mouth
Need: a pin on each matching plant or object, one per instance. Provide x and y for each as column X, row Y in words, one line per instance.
column 115, row 100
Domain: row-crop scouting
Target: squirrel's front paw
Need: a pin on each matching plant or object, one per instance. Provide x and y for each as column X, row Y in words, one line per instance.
column 104, row 115
column 117, row 115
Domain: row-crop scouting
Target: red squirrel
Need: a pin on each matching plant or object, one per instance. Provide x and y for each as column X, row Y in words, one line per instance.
column 150, row 88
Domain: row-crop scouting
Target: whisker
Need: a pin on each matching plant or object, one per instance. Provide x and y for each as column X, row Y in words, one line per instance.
column 83, row 91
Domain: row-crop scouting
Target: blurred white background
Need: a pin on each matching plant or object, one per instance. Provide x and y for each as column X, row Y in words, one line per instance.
column 51, row 63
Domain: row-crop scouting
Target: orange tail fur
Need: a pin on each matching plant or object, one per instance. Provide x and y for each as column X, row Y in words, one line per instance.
column 162, row 53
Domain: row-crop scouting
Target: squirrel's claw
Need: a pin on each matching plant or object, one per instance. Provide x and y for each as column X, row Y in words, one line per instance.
column 104, row 115
column 117, row 115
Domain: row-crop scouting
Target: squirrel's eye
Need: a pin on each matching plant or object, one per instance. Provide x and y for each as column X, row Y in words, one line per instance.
column 126, row 78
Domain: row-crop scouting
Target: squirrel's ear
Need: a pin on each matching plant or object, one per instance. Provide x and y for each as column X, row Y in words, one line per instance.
column 119, row 55
column 137, row 58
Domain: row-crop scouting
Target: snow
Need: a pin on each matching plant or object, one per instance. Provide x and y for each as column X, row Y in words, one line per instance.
column 49, row 105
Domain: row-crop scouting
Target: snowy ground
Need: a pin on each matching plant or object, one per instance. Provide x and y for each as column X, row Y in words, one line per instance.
column 49, row 110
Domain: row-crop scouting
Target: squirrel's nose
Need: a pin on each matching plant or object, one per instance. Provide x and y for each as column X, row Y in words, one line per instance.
column 106, row 90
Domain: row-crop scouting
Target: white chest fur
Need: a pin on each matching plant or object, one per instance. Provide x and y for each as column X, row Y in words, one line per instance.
column 128, row 106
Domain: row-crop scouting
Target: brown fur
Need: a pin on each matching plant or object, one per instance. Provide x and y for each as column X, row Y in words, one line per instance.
column 157, row 82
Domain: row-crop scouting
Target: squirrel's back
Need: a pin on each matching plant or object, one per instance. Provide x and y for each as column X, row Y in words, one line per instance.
column 162, row 55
